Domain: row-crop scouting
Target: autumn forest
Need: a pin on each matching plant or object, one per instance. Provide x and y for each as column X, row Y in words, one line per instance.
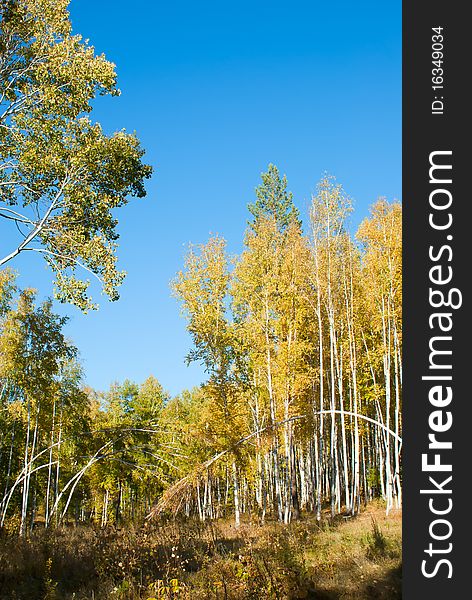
column 223, row 490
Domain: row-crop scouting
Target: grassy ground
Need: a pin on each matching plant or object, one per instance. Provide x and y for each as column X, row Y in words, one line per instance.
column 355, row 558
column 360, row 558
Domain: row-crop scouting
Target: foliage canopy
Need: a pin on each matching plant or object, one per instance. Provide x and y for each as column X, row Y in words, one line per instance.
column 61, row 176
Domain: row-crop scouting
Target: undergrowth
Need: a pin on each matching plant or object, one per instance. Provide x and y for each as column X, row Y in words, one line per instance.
column 342, row 558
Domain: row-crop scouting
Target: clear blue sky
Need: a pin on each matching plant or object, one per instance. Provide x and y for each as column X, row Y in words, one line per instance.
column 216, row 91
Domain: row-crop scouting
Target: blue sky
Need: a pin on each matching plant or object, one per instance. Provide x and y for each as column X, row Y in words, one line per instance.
column 216, row 91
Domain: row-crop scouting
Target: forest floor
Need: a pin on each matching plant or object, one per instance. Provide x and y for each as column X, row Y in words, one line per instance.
column 344, row 558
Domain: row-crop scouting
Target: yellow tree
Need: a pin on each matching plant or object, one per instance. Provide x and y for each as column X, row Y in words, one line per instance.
column 203, row 288
column 381, row 236
column 329, row 210
column 293, row 371
column 254, row 291
column 267, row 302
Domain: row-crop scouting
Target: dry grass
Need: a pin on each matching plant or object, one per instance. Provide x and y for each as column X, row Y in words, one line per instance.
column 360, row 558
column 346, row 558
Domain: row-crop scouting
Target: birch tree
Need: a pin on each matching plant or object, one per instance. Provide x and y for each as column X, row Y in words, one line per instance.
column 61, row 176
column 381, row 237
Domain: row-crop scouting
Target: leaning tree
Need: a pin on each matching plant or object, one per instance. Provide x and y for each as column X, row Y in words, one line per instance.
column 61, row 176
